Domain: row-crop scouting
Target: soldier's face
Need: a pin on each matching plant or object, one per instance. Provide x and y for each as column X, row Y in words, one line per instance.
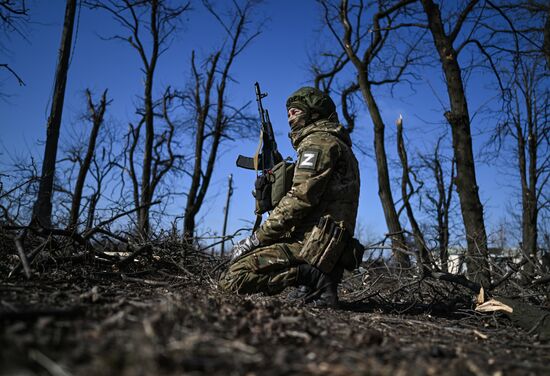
column 296, row 117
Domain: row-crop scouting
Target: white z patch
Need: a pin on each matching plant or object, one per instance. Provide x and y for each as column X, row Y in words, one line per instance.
column 308, row 159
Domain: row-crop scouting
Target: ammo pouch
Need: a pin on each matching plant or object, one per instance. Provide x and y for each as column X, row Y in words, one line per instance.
column 325, row 244
column 272, row 186
column 262, row 193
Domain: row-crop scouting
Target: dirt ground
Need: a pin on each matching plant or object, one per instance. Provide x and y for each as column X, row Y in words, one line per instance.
column 165, row 316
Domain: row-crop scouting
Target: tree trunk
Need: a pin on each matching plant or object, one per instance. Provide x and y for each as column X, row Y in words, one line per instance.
column 189, row 224
column 528, row 177
column 424, row 258
column 445, row 195
column 200, row 179
column 226, row 211
column 146, row 191
column 384, row 187
column 97, row 120
column 42, row 211
column 191, row 206
column 91, row 210
column 459, row 119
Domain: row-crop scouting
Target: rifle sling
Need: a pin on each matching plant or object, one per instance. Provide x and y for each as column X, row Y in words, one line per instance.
column 257, row 223
column 258, row 149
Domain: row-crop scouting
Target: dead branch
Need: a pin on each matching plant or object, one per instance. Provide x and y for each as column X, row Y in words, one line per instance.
column 125, row 261
column 513, row 270
column 19, row 239
column 96, row 115
column 34, row 178
column 455, row 278
column 32, row 254
column 14, row 73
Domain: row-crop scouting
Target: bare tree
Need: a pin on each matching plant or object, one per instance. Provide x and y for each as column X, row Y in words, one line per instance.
column 103, row 174
column 349, row 18
column 532, row 134
column 151, row 25
column 43, row 207
column 407, row 191
column 438, row 201
column 521, row 31
column 96, row 115
column 214, row 118
column 102, row 165
column 528, row 125
column 459, row 118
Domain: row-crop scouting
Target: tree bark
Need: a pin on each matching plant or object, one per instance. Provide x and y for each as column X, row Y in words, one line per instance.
column 42, row 211
column 459, row 119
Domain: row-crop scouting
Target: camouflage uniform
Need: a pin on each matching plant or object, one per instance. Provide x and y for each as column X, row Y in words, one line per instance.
column 326, row 181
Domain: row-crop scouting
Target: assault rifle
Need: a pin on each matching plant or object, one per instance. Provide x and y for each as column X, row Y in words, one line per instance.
column 266, row 157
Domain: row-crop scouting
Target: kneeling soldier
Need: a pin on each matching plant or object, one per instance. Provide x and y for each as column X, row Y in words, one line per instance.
column 307, row 238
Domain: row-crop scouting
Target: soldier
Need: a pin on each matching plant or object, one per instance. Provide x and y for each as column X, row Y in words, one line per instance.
column 325, row 186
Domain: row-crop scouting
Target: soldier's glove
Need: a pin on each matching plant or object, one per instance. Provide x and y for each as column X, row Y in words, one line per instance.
column 244, row 246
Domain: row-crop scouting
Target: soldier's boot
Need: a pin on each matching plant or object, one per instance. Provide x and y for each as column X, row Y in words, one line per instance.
column 298, row 293
column 323, row 289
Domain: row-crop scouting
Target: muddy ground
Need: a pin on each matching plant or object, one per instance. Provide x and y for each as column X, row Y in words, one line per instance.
column 164, row 315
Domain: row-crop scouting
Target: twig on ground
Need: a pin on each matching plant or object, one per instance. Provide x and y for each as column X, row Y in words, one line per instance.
column 146, row 281
column 31, row 256
column 19, row 239
column 513, row 269
column 49, row 365
column 137, row 252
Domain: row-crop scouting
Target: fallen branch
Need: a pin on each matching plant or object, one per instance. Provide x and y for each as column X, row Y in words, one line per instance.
column 544, row 279
column 137, row 252
column 513, row 269
column 19, row 239
column 145, row 281
column 49, row 365
column 454, row 278
column 31, row 256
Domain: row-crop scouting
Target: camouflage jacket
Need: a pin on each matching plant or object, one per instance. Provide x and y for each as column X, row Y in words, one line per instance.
column 326, row 181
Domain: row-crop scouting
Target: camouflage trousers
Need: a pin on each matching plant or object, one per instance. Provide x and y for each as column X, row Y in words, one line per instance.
column 268, row 269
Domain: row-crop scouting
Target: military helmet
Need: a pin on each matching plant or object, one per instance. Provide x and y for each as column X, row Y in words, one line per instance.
column 312, row 100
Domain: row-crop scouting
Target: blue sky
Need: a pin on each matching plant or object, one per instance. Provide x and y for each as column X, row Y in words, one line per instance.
column 278, row 59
